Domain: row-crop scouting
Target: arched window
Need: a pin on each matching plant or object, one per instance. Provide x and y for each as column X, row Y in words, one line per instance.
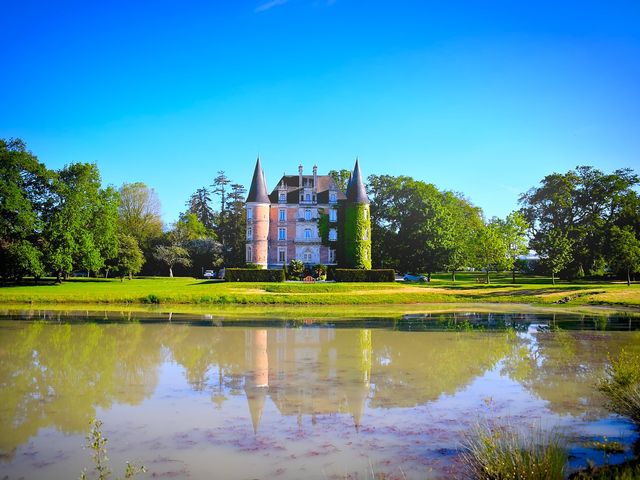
column 307, row 233
column 249, row 233
column 307, row 214
column 249, row 253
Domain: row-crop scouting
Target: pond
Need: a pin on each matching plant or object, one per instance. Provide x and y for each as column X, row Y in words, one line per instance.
column 200, row 397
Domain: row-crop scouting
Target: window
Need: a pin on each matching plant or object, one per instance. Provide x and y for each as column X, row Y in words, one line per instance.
column 307, row 214
column 282, row 215
column 282, row 198
column 366, row 254
column 282, row 255
column 249, row 213
column 307, row 197
column 306, row 257
column 333, row 234
column 332, row 255
column 249, row 233
column 333, row 215
column 282, row 234
column 365, row 236
column 332, row 197
column 249, row 253
column 307, row 233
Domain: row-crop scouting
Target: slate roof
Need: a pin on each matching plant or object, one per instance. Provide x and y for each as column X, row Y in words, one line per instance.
column 356, row 192
column 325, row 184
column 258, row 189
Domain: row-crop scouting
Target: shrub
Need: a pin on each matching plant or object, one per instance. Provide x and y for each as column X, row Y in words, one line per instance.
column 254, row 266
column 621, row 385
column 251, row 275
column 296, row 269
column 500, row 453
column 357, row 275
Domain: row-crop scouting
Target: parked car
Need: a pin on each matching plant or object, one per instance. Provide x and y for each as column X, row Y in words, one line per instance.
column 209, row 274
column 410, row 277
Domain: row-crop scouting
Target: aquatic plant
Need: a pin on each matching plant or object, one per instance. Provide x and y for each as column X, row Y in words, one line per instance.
column 97, row 442
column 501, row 453
column 621, row 385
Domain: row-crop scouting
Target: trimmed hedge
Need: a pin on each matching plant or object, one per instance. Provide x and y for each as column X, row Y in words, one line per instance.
column 252, row 275
column 358, row 275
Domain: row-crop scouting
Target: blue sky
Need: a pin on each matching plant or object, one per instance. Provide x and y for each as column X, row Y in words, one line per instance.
column 484, row 98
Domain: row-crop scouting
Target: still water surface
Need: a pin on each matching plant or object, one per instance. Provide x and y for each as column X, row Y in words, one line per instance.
column 298, row 399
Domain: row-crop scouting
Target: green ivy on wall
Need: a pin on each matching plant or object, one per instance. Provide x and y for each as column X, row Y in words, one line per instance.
column 357, row 250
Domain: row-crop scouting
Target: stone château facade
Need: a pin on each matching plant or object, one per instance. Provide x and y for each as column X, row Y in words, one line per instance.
column 308, row 218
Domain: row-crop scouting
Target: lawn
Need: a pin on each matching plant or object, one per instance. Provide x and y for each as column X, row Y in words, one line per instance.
column 163, row 290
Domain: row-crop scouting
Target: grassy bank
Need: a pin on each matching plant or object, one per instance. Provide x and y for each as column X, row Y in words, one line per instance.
column 162, row 290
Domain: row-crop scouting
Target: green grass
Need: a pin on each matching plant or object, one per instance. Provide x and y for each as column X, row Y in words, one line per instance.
column 501, row 453
column 163, row 290
column 621, row 385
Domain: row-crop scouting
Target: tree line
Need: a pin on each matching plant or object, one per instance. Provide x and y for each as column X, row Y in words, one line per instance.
column 61, row 222
column 58, row 222
column 581, row 223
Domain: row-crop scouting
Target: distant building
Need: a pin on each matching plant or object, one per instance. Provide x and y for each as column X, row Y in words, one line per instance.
column 308, row 218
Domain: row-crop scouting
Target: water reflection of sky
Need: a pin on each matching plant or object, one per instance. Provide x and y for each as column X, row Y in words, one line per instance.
column 290, row 403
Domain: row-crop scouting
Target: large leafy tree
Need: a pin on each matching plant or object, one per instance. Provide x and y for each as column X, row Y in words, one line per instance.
column 139, row 213
column 554, row 249
column 415, row 227
column 25, row 191
column 341, row 177
column 514, row 235
column 583, row 205
column 129, row 258
column 625, row 250
column 491, row 248
column 80, row 225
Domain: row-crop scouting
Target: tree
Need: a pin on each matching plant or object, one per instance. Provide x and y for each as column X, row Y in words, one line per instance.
column 130, row 258
column 466, row 223
column 232, row 232
column 491, row 248
column 412, row 226
column 139, row 213
column 172, row 255
column 25, row 190
column 200, row 205
column 554, row 249
column 625, row 250
column 341, row 177
column 296, row 268
column 514, row 231
column 583, row 204
column 79, row 227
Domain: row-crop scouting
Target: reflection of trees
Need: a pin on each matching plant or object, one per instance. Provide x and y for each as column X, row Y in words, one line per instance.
column 563, row 367
column 415, row 368
column 57, row 375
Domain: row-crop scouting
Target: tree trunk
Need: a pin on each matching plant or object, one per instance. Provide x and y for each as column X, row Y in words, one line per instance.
column 487, row 277
column 553, row 277
column 170, row 272
column 121, row 278
column 130, row 276
column 428, row 276
column 59, row 277
column 453, row 276
column 513, row 278
column 628, row 277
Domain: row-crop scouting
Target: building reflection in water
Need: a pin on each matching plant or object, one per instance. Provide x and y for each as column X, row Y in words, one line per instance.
column 308, row 372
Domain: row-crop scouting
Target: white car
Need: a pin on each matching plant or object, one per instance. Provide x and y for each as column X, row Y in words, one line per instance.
column 209, row 274
column 409, row 277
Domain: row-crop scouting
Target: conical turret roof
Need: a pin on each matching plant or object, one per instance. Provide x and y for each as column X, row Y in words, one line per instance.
column 356, row 192
column 258, row 190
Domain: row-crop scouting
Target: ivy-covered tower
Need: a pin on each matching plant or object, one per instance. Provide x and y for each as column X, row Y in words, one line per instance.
column 356, row 235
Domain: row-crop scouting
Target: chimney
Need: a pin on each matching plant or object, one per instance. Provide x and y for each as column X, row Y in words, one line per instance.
column 315, row 178
column 300, row 176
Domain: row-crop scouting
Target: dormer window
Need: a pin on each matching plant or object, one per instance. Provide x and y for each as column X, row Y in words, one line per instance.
column 307, row 214
column 307, row 197
column 282, row 198
column 307, row 233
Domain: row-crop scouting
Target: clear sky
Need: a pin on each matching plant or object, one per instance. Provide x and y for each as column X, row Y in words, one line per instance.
column 484, row 98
